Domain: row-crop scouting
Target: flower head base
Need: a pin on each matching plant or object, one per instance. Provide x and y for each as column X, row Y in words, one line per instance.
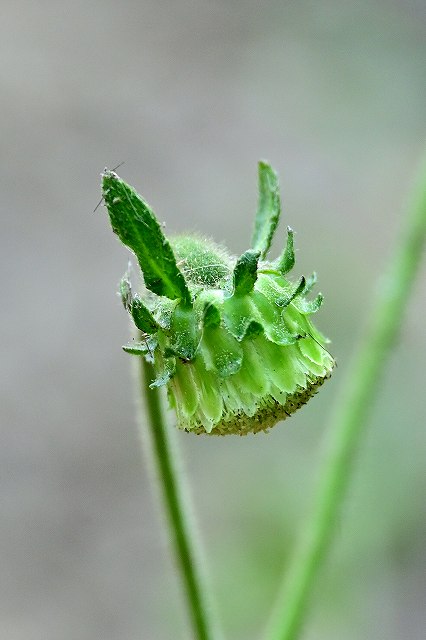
column 231, row 339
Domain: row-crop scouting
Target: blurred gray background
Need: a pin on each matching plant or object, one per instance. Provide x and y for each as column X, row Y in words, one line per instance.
column 190, row 95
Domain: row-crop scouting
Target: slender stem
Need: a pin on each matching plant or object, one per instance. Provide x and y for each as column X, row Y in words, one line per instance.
column 349, row 422
column 164, row 454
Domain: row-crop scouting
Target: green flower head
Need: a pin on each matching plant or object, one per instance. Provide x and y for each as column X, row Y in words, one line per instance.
column 231, row 338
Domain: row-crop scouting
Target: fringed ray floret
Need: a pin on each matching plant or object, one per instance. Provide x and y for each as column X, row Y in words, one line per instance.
column 231, row 338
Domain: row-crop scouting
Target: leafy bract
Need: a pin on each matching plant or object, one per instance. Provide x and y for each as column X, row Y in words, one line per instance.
column 268, row 209
column 245, row 272
column 138, row 228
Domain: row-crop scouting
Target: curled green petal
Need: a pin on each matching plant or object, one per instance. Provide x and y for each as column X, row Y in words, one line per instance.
column 273, row 322
column 220, row 351
column 186, row 390
column 162, row 379
column 310, row 283
column 238, row 314
column 280, row 291
column 309, row 306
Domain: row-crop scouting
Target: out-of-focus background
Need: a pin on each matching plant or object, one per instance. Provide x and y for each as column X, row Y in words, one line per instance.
column 190, row 95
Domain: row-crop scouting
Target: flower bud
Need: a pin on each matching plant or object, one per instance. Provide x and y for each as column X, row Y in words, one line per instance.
column 232, row 339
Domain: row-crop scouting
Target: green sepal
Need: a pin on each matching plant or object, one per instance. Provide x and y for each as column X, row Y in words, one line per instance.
column 163, row 312
column 185, row 333
column 135, row 348
column 310, row 283
column 137, row 227
column 273, row 323
column 309, row 306
column 280, row 291
column 298, row 288
column 221, row 351
column 312, row 350
column 145, row 347
column 238, row 313
column 268, row 209
column 285, row 262
column 162, row 379
column 245, row 272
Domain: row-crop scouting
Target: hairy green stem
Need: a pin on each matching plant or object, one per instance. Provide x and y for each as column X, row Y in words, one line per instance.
column 349, row 421
column 164, row 454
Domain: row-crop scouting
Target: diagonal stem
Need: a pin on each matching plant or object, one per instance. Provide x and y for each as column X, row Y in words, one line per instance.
column 181, row 530
column 349, row 422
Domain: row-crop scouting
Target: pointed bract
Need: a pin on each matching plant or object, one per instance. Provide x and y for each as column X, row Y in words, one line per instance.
column 137, row 227
column 310, row 283
column 245, row 272
column 142, row 316
column 309, row 306
column 285, row 262
column 268, row 209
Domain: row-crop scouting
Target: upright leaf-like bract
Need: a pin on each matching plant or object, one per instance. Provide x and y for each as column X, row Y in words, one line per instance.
column 137, row 227
column 285, row 262
column 268, row 209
